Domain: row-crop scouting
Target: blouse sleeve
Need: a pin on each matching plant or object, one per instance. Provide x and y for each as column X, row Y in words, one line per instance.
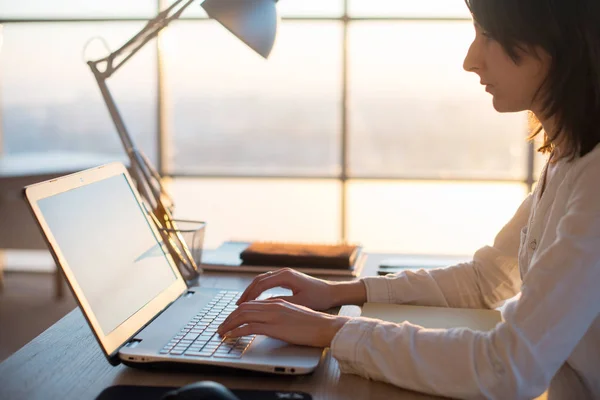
column 559, row 302
column 492, row 277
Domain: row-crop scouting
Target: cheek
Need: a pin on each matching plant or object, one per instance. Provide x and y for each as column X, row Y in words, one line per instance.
column 515, row 90
column 509, row 96
column 521, row 83
column 514, row 84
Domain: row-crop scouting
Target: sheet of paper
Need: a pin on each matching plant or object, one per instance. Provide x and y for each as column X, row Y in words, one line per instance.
column 434, row 317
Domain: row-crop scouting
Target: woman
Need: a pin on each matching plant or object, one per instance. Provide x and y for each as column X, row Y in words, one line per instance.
column 536, row 55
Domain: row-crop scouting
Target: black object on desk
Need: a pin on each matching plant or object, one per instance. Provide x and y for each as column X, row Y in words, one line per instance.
column 128, row 392
column 416, row 262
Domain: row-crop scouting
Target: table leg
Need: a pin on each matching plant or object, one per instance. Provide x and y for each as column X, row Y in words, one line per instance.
column 58, row 283
column 1, row 270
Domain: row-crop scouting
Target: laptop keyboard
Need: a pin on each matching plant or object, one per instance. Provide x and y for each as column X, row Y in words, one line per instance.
column 199, row 338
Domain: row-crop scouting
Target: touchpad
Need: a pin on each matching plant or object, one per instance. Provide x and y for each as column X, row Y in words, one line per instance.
column 275, row 292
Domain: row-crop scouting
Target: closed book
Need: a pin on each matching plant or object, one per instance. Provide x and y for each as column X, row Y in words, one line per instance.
column 307, row 255
column 227, row 258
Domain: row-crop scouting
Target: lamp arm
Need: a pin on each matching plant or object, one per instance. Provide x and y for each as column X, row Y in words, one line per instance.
column 149, row 32
column 105, row 67
column 140, row 170
column 146, row 177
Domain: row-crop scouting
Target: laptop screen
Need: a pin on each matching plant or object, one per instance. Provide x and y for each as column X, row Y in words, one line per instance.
column 113, row 253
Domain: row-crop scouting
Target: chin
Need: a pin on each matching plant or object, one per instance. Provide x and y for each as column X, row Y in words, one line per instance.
column 505, row 107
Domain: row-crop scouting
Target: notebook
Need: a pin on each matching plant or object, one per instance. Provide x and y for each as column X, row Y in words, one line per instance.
column 243, row 256
column 434, row 317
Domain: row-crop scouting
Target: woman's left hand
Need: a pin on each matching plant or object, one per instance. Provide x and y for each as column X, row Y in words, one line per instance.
column 282, row 320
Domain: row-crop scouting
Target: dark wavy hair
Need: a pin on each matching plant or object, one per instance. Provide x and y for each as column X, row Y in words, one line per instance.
column 569, row 31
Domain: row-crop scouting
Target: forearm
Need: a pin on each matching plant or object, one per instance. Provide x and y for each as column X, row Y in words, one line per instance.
column 483, row 283
column 410, row 287
column 490, row 278
column 423, row 288
column 348, row 293
column 457, row 363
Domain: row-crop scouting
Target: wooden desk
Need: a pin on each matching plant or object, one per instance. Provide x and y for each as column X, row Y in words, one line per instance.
column 65, row 362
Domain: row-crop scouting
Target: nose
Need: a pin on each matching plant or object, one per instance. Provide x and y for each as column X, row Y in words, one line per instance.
column 473, row 61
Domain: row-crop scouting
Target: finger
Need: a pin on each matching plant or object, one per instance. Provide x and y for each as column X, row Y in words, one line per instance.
column 242, row 318
column 288, row 299
column 252, row 306
column 252, row 284
column 277, row 279
column 251, row 292
column 249, row 329
column 282, row 303
column 270, row 311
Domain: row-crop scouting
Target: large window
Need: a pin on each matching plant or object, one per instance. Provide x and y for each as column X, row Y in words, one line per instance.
column 233, row 113
column 50, row 100
column 414, row 112
column 361, row 126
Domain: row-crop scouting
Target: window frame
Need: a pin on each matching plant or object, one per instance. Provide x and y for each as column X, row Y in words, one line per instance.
column 164, row 137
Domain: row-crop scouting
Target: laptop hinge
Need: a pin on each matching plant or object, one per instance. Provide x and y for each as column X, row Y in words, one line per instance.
column 131, row 338
column 133, row 343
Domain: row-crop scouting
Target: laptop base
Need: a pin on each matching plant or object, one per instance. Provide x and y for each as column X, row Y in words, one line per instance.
column 207, row 369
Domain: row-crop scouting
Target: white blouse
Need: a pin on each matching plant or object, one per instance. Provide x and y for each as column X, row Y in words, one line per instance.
column 550, row 338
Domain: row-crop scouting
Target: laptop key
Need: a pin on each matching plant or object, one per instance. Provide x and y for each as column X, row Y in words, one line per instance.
column 191, row 336
column 197, row 354
column 223, row 350
column 200, row 333
column 228, row 355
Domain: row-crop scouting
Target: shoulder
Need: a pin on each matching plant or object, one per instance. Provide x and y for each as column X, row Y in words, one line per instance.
column 583, row 177
column 586, row 167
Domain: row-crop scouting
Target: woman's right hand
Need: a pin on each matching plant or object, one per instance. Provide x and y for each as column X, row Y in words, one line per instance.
column 317, row 294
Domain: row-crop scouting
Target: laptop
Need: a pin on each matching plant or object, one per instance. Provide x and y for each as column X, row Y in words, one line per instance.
column 129, row 289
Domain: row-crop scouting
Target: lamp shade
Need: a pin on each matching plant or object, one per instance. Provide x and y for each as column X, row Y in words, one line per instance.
column 253, row 21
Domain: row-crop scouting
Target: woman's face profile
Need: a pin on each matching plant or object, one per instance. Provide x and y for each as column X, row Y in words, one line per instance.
column 512, row 85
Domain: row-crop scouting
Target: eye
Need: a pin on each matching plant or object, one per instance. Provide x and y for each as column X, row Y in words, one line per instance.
column 487, row 35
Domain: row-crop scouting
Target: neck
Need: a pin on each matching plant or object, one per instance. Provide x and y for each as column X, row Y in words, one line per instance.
column 549, row 126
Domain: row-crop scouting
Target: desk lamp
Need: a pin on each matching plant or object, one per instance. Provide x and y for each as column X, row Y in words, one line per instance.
column 252, row 21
